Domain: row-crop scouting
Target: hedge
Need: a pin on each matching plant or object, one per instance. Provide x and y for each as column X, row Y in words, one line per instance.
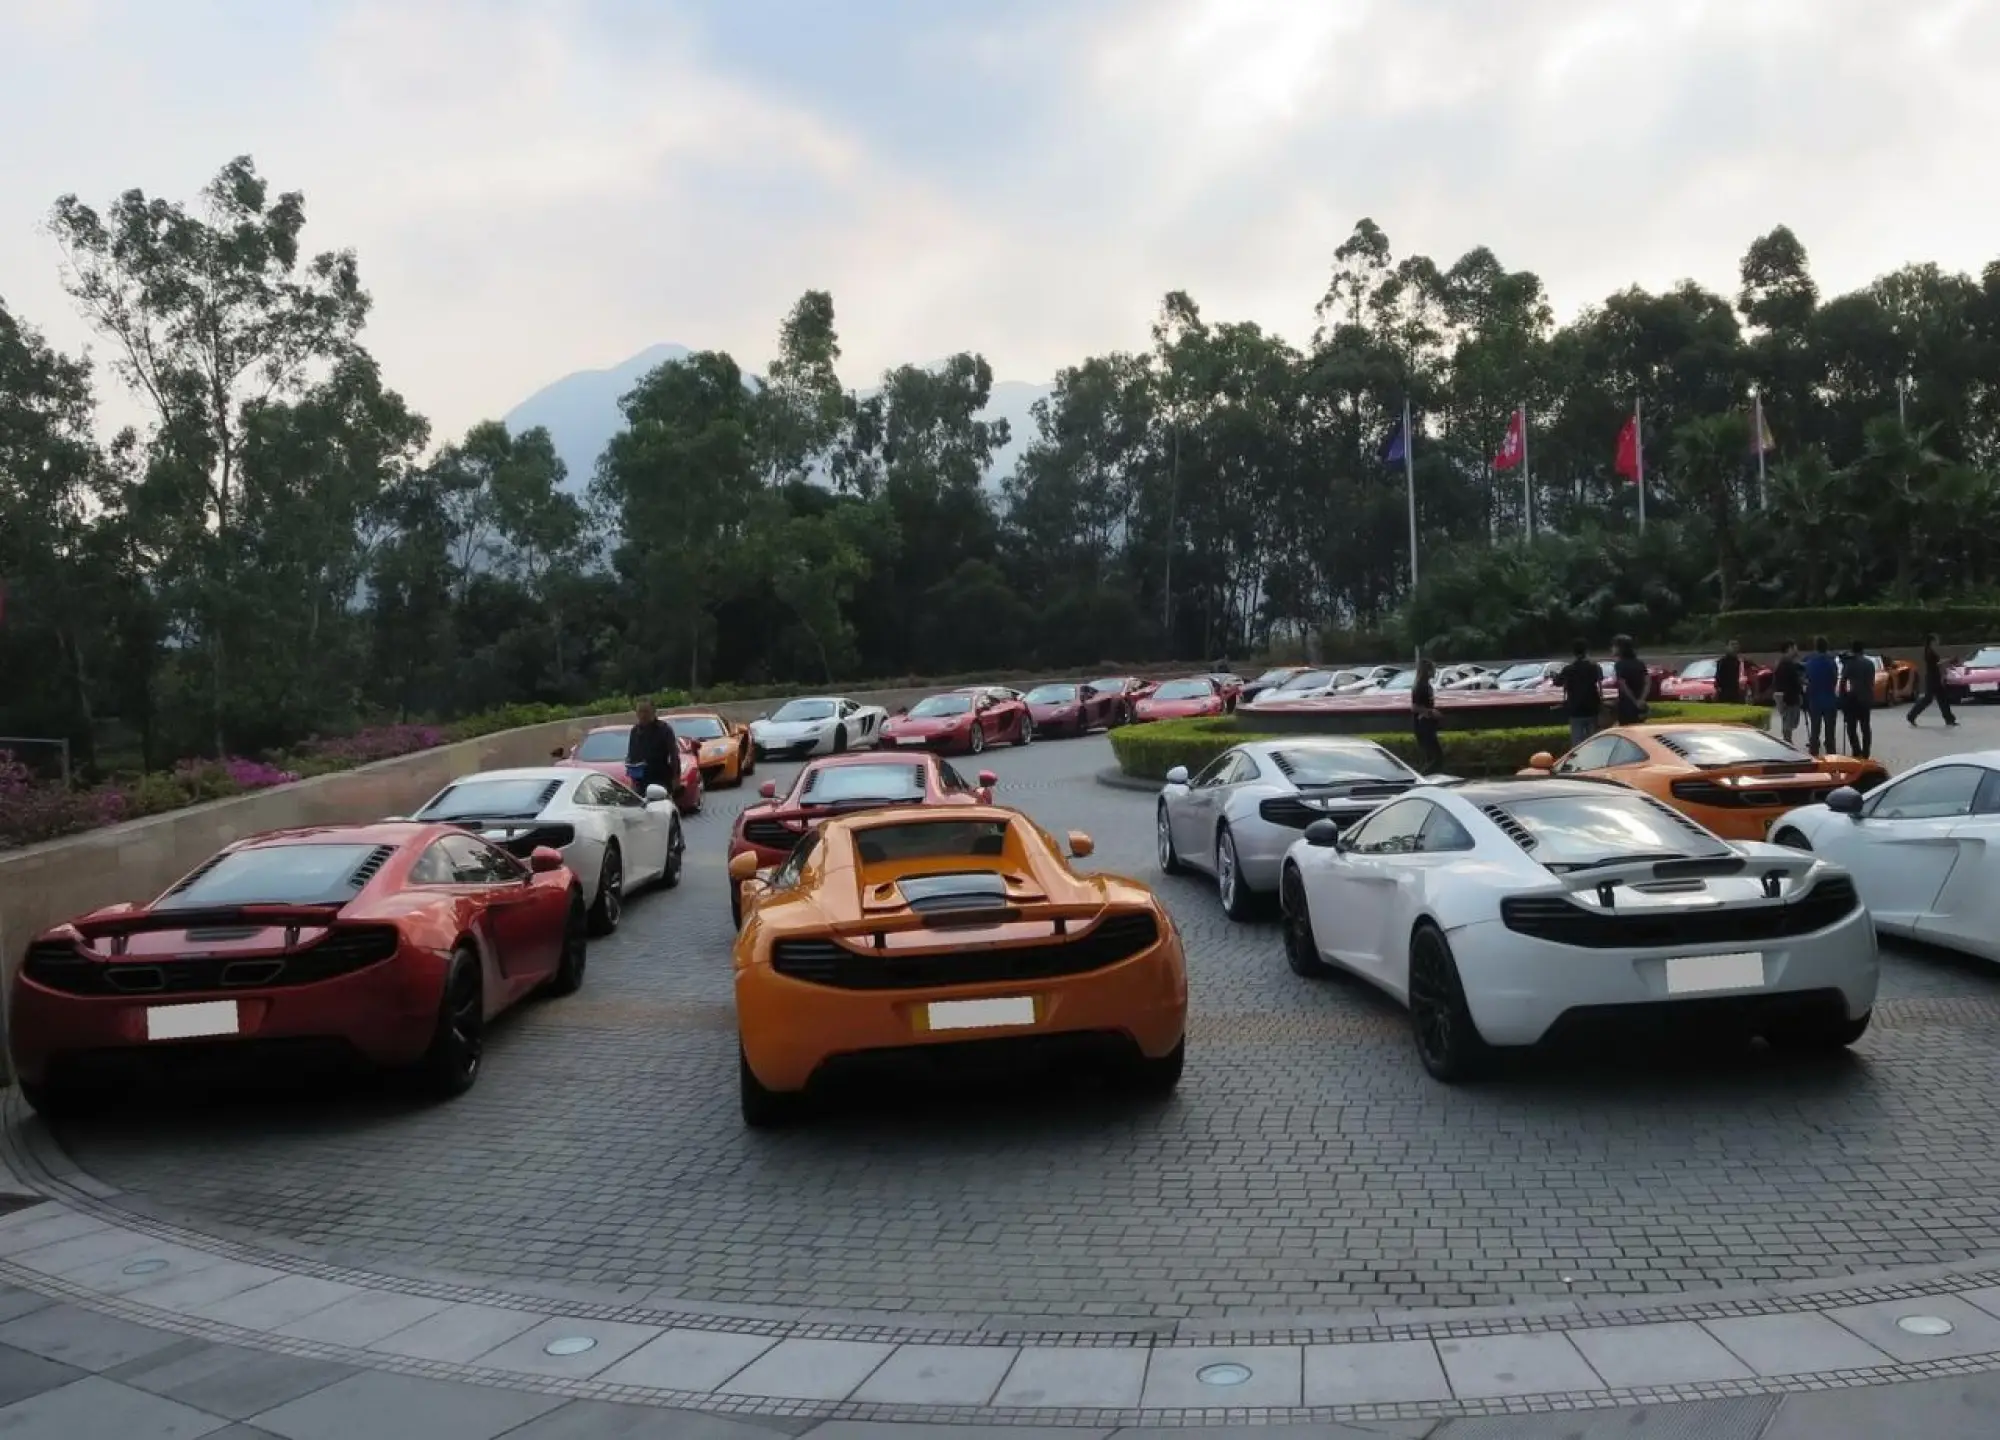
column 1876, row 626
column 1147, row 752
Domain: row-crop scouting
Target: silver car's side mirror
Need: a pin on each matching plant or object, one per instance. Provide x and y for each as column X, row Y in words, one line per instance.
column 1323, row 833
column 1178, row 775
column 1845, row 801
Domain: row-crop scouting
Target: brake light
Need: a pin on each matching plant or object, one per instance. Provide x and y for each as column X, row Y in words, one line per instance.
column 1701, row 792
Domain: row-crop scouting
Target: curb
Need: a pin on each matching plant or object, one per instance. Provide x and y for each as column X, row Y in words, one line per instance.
column 1116, row 779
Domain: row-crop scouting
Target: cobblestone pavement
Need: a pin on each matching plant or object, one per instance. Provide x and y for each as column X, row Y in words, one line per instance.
column 1306, row 1163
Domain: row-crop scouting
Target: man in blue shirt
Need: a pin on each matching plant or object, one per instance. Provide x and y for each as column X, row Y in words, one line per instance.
column 1822, row 696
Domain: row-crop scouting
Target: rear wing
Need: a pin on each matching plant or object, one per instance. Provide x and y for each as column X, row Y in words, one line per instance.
column 520, row 838
column 205, row 917
column 1780, row 875
column 1065, row 919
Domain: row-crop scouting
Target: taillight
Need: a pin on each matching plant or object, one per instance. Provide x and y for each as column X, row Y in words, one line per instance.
column 1701, row 792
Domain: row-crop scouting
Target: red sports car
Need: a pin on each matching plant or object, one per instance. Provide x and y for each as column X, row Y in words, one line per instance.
column 1066, row 708
column 1696, row 682
column 603, row 749
column 392, row 943
column 1129, row 689
column 963, row 722
column 839, row 785
column 1976, row 678
column 1229, row 686
column 1177, row 699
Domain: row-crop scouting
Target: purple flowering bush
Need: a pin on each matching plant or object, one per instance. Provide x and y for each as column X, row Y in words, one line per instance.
column 32, row 809
column 363, row 747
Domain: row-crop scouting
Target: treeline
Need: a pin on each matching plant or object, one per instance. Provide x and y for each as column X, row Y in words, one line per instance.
column 280, row 551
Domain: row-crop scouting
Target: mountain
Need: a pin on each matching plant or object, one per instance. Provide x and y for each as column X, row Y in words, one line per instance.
column 580, row 412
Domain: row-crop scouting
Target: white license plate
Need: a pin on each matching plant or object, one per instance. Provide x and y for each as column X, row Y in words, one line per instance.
column 909, row 739
column 980, row 1014
column 1697, row 974
column 192, row 1022
column 1984, row 686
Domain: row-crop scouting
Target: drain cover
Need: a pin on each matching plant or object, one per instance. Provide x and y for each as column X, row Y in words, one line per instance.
column 569, row 1345
column 145, row 1267
column 1222, row 1374
column 1925, row 1325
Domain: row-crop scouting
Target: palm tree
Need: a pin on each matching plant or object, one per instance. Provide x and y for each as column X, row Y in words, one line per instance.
column 1708, row 457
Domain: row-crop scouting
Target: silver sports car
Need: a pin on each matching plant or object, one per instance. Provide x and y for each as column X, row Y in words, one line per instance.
column 1238, row 817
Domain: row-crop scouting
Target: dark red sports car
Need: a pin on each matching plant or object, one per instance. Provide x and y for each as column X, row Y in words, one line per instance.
column 392, row 944
column 603, row 750
column 963, row 722
column 1976, row 678
column 1178, row 699
column 1130, row 690
column 1066, row 708
column 840, row 785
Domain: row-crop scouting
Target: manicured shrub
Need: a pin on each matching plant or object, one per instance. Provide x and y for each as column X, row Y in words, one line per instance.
column 1880, row 626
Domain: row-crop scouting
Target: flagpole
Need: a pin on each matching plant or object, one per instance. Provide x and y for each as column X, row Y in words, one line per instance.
column 1527, row 490
column 1410, row 486
column 1763, row 496
column 1639, row 454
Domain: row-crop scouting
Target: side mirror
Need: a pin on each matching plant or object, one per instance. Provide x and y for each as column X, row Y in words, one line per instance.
column 559, row 753
column 769, row 789
column 742, row 867
column 656, row 793
column 543, row 859
column 988, row 779
column 1178, row 775
column 1845, row 801
column 1541, row 760
column 763, row 715
column 1081, row 846
column 1323, row 833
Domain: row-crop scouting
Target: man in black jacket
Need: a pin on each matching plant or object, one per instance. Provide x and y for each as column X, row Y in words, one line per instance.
column 652, row 752
column 1933, row 685
column 1729, row 676
column 1857, row 700
column 1582, row 682
column 1788, row 690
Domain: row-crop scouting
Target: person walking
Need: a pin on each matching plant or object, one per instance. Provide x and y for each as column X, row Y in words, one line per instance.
column 1729, row 676
column 1822, row 696
column 1424, row 719
column 1788, row 690
column 1933, row 684
column 1633, row 682
column 1583, row 694
column 652, row 752
column 1857, row 701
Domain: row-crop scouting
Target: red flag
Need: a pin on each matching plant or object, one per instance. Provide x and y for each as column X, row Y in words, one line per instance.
column 1628, row 449
column 1515, row 443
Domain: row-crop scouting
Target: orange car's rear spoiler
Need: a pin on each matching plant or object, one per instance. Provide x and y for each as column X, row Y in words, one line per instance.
column 880, row 928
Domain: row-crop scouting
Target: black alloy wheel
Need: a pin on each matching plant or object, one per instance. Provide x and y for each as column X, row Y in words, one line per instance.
column 1448, row 1043
column 568, row 977
column 676, row 857
column 1301, row 948
column 450, row 1066
column 609, row 906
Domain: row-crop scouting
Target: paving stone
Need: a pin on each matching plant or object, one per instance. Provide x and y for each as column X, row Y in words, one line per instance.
column 1173, row 1378
column 363, row 1318
column 63, row 1256
column 938, row 1375
column 23, row 1374
column 1739, row 1419
column 1487, row 1366
column 808, row 1369
column 458, row 1333
column 688, row 1359
column 1794, row 1344
column 229, row 1380
column 83, row 1338
column 160, row 1263
column 527, row 1353
column 594, row 1420
column 1974, row 1332
column 266, row 1307
column 1639, row 1356
column 1374, row 1373
column 378, row 1404
column 186, row 1293
column 1107, row 1378
column 94, row 1408
column 1963, row 1407
column 16, row 1303
column 47, row 1227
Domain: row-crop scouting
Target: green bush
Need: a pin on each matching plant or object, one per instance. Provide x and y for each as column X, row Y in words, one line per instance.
column 1147, row 752
column 1877, row 626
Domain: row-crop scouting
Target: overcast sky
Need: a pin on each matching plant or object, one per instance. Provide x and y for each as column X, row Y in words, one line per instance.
column 551, row 185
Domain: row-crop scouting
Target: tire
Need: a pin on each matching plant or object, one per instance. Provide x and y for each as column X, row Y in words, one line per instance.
column 1027, row 735
column 735, row 905
column 1448, row 1042
column 1822, row 1037
column 747, row 765
column 1163, row 834
column 1159, row 1077
column 59, row 1102
column 763, row 1109
column 1301, row 950
column 568, row 978
column 1791, row 839
column 978, row 739
column 840, row 740
column 670, row 877
column 450, row 1067
column 1238, row 902
column 607, row 908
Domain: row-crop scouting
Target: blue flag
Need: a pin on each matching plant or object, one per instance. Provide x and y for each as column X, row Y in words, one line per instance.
column 1393, row 449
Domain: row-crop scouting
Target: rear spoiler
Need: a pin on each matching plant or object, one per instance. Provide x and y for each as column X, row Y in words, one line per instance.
column 878, row 930
column 1778, row 874
column 204, row 918
column 523, row 836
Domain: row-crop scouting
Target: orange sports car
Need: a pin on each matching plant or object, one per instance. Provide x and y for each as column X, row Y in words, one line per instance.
column 1895, row 681
column 722, row 747
column 1735, row 779
column 947, row 938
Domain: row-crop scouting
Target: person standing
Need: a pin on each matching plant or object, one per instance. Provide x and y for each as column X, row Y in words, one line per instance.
column 652, row 752
column 1424, row 719
column 1822, row 696
column 1933, row 684
column 1857, row 701
column 1788, row 690
column 1583, row 694
column 1633, row 681
column 1729, row 676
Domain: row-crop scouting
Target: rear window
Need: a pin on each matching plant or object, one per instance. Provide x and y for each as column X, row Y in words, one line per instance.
column 1184, row 690
column 1052, row 695
column 1728, row 747
column 602, row 745
column 932, row 840
column 841, row 784
column 495, row 799
column 1590, row 829
column 1331, row 766
column 278, row 875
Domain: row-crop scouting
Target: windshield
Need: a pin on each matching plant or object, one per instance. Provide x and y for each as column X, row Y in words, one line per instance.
column 1311, row 680
column 1514, row 674
column 604, row 745
column 1984, row 659
column 1052, row 695
column 1401, row 680
column 845, row 784
column 795, row 710
column 1698, row 670
column 1275, row 677
column 1116, row 685
column 942, row 705
column 494, row 799
column 1333, row 765
column 1729, row 747
column 1589, row 829
column 276, row 875
column 1184, row 690
column 931, row 840
column 696, row 727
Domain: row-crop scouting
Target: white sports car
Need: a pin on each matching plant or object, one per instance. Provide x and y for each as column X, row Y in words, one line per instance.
column 817, row 725
column 1238, row 817
column 612, row 839
column 1924, row 848
column 1506, row 912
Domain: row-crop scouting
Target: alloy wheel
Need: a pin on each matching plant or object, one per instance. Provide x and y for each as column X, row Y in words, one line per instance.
column 467, row 1020
column 1164, row 833
column 611, row 888
column 1225, row 869
column 1430, row 1005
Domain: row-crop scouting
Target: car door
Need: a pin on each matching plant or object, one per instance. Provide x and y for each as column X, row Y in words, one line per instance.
column 1351, row 914
column 523, row 943
column 601, row 825
column 645, row 829
column 1904, row 846
column 1195, row 816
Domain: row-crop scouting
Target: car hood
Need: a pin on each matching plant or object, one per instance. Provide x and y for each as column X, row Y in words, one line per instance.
column 926, row 724
column 788, row 729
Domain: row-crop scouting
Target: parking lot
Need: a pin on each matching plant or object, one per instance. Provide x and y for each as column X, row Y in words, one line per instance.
column 1305, row 1163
